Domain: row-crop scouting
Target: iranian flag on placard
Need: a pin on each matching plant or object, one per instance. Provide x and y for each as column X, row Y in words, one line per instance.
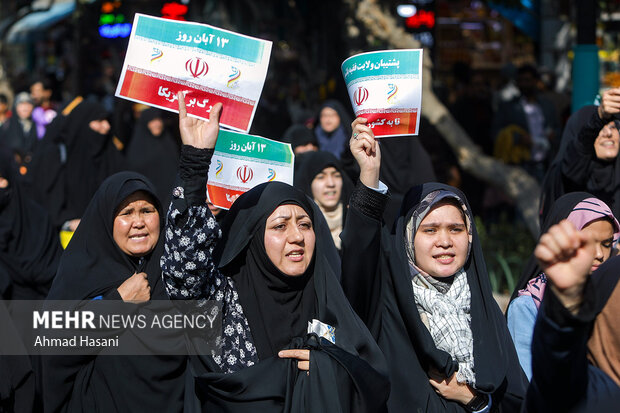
column 240, row 162
column 209, row 64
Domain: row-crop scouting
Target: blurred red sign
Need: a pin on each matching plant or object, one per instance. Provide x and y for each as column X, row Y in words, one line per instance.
column 421, row 18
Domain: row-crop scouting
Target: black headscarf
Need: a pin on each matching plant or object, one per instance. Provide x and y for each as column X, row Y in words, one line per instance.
column 29, row 247
column 408, row 344
column 156, row 157
column 14, row 136
column 73, row 161
column 278, row 308
column 299, row 135
column 93, row 265
column 603, row 176
column 337, row 140
column 309, row 164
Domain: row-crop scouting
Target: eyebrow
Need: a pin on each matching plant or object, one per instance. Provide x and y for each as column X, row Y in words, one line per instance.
column 289, row 217
column 438, row 224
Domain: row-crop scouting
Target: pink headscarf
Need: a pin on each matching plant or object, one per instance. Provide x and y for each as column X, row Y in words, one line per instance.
column 586, row 211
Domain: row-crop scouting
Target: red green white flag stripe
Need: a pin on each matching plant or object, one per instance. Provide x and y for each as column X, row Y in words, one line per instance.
column 209, row 64
column 240, row 162
column 385, row 87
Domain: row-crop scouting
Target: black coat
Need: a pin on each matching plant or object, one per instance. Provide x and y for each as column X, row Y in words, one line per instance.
column 562, row 378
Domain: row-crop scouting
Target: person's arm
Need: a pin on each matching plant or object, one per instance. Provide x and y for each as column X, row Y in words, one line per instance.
column 559, row 365
column 191, row 231
column 580, row 152
column 521, row 318
column 361, row 234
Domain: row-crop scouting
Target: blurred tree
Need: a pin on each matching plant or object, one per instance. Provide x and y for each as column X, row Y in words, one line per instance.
column 384, row 31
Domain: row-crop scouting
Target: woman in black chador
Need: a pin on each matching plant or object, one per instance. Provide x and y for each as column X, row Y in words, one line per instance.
column 273, row 267
column 588, row 159
column 29, row 247
column 114, row 255
column 424, row 292
column 153, row 152
column 76, row 155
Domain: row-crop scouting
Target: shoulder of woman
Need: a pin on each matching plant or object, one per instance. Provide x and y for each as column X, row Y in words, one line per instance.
column 522, row 306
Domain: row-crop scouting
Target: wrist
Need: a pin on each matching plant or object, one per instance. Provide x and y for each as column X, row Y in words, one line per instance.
column 370, row 178
column 571, row 298
column 477, row 403
column 468, row 395
column 601, row 113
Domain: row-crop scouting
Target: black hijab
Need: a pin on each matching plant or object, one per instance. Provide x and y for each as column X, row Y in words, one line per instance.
column 299, row 135
column 73, row 161
column 92, row 266
column 29, row 247
column 603, row 176
column 407, row 343
column 156, row 157
column 337, row 140
column 560, row 210
column 348, row 376
column 309, row 164
column 276, row 305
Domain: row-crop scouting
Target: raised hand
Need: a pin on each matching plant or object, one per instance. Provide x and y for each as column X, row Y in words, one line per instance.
column 610, row 103
column 197, row 132
column 565, row 256
column 366, row 151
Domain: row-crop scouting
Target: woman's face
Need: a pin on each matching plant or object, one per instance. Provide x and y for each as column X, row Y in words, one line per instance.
column 101, row 126
column 24, row 110
column 607, row 142
column 329, row 119
column 327, row 187
column 156, row 126
column 136, row 225
column 441, row 242
column 289, row 239
column 602, row 232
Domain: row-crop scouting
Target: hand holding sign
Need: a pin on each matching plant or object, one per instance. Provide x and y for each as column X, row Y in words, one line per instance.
column 366, row 151
column 196, row 132
column 385, row 87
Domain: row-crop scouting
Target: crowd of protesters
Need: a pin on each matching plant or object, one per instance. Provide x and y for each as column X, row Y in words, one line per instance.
column 375, row 243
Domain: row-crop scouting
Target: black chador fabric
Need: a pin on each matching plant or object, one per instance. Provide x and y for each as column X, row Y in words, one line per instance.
column 563, row 380
column 17, row 380
column 560, row 210
column 73, row 161
column 379, row 287
column 91, row 266
column 405, row 163
column 347, row 376
column 29, row 247
column 156, row 157
column 13, row 135
column 576, row 167
column 309, row 164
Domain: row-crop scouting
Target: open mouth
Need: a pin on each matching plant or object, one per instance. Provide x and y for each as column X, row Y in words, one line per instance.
column 296, row 255
column 444, row 258
column 138, row 237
